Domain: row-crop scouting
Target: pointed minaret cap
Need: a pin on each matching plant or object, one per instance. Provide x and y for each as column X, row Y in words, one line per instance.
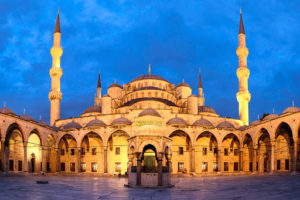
column 99, row 81
column 57, row 24
column 242, row 30
column 200, row 80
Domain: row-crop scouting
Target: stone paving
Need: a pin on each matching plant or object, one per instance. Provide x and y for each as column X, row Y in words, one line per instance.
column 219, row 187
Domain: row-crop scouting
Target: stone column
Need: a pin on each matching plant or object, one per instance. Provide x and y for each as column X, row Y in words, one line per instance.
column 295, row 156
column 160, row 171
column 219, row 160
column 272, row 157
column 241, row 159
column 3, row 159
column 193, row 159
column 138, row 168
column 105, row 159
column 254, row 160
column 43, row 160
column 78, row 159
column 57, row 160
column 25, row 157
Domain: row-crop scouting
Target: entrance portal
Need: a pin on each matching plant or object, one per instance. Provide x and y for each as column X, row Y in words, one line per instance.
column 149, row 159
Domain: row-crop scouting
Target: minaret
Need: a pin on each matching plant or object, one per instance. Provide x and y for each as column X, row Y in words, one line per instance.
column 200, row 91
column 98, row 96
column 243, row 96
column 55, row 94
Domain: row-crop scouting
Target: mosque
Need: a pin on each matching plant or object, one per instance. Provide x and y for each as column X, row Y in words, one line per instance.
column 150, row 125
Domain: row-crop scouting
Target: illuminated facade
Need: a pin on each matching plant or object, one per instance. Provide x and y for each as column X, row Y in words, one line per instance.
column 147, row 123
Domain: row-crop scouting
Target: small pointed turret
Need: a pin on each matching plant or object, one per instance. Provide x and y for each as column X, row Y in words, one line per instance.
column 99, row 81
column 57, row 24
column 242, row 30
column 200, row 91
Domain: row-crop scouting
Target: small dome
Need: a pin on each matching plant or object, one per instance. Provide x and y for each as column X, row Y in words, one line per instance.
column 42, row 123
column 288, row 110
column 270, row 117
column 177, row 121
column 7, row 111
column 254, row 123
column 55, row 128
column 203, row 122
column 121, row 121
column 72, row 125
column 243, row 127
column 206, row 109
column 96, row 122
column 149, row 111
column 92, row 109
column 193, row 95
column 26, row 117
column 225, row 124
column 115, row 85
column 183, row 84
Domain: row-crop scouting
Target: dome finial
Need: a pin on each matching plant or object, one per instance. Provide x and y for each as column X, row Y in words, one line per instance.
column 240, row 10
column 183, row 80
column 24, row 113
column 40, row 118
column 273, row 111
column 149, row 69
column 257, row 117
column 4, row 105
column 293, row 103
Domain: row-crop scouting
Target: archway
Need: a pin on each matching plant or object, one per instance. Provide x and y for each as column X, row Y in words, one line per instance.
column 50, row 154
column 68, row 154
column 34, row 153
column 181, row 148
column 149, row 159
column 264, row 152
column 14, row 149
column 92, row 158
column 231, row 153
column 117, row 152
column 206, row 149
column 284, row 148
column 248, row 154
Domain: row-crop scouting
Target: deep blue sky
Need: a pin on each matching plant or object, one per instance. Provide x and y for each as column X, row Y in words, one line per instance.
column 122, row 37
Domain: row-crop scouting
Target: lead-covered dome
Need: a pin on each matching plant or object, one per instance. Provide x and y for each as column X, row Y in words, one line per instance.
column 7, row 111
column 183, row 85
column 203, row 122
column 96, row 122
column 242, row 128
column 206, row 109
column 255, row 122
column 92, row 109
column 26, row 117
column 177, row 121
column 42, row 123
column 121, row 121
column 72, row 125
column 270, row 117
column 149, row 76
column 225, row 124
column 115, row 85
column 288, row 110
column 150, row 112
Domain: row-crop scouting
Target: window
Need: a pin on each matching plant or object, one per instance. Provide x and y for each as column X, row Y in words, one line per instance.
column 48, row 167
column 236, row 166
column 62, row 152
column 83, row 167
column 94, row 152
column 287, row 164
column 95, row 167
column 180, row 167
column 215, row 151
column 236, row 152
column 83, row 151
column 226, row 166
column 117, row 150
column 180, row 150
column 118, row 167
column 225, row 152
column 278, row 164
column 215, row 166
column 250, row 166
column 204, row 151
column 72, row 167
column 62, row 167
column 20, row 165
column 11, row 165
column 72, row 152
column 204, row 167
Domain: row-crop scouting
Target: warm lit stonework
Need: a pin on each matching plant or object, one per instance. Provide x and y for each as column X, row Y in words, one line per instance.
column 150, row 125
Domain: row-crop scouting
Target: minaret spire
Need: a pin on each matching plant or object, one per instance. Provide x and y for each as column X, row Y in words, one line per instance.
column 243, row 96
column 98, row 95
column 55, row 94
column 200, row 91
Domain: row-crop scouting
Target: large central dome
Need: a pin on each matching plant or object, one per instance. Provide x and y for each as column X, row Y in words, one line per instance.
column 149, row 76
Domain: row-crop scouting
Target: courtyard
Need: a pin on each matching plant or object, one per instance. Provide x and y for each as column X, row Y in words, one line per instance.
column 213, row 187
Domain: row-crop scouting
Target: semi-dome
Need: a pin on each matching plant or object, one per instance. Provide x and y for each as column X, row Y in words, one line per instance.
column 270, row 117
column 92, row 109
column 121, row 121
column 149, row 76
column 96, row 122
column 206, row 109
column 149, row 111
column 177, row 121
column 26, row 117
column 254, row 123
column 225, row 124
column 7, row 111
column 115, row 85
column 42, row 123
column 72, row 125
column 203, row 122
column 183, row 84
column 288, row 110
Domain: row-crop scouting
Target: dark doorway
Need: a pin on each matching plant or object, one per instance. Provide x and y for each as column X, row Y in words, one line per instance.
column 32, row 161
column 265, row 164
